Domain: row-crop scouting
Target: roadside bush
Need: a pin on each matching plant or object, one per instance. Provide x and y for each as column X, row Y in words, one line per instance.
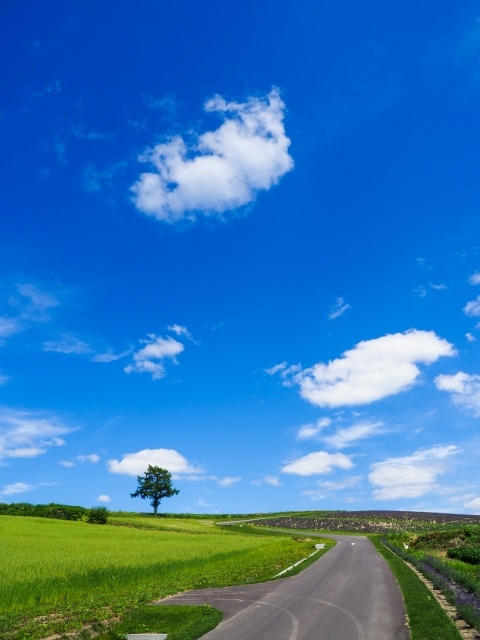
column 97, row 515
column 466, row 554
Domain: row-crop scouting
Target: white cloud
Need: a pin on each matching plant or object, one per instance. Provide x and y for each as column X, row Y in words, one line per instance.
column 179, row 330
column 104, row 498
column 136, row 464
column 277, row 368
column 8, row 327
column 67, row 344
column 33, row 303
column 66, row 463
column 273, row 481
column 372, row 370
column 307, row 431
column 17, row 487
column 317, row 462
column 150, row 358
column 410, row 476
column 470, row 337
column 228, row 481
column 338, row 309
column 25, row 434
column 110, row 356
column 464, row 389
column 474, row 278
column 223, row 169
column 342, row 484
column 3, row 379
column 349, row 435
column 473, row 504
column 91, row 457
column 472, row 308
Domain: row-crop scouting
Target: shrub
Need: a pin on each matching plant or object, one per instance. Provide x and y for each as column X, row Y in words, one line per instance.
column 97, row 515
column 470, row 554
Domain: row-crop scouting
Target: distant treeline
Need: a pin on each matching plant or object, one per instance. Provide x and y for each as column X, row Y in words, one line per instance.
column 95, row 515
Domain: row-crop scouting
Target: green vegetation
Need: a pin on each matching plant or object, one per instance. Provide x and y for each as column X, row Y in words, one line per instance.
column 53, row 510
column 59, row 575
column 179, row 622
column 427, row 619
column 466, row 554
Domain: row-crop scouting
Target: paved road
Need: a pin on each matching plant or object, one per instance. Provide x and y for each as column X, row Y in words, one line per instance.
column 348, row 594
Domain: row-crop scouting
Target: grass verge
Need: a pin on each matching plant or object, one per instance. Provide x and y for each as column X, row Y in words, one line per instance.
column 427, row 619
column 179, row 622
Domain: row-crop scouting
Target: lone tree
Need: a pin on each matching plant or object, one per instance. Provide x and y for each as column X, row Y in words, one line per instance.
column 155, row 484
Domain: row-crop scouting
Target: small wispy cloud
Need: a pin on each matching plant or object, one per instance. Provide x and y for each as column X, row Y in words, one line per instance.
column 463, row 388
column 68, row 344
column 472, row 308
column 180, row 330
column 307, row 431
column 151, row 358
column 16, row 488
column 228, row 481
column 338, row 309
column 28, row 434
column 474, row 278
column 318, row 462
column 349, row 436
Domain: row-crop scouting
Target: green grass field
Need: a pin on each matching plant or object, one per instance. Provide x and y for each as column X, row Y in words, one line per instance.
column 59, row 575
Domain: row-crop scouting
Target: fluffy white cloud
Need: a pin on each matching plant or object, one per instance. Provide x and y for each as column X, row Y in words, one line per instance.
column 16, row 487
column 410, row 476
column 474, row 278
column 464, row 389
column 26, row 434
column 307, row 431
column 472, row 308
column 103, row 498
column 318, row 462
column 349, row 435
column 372, row 370
column 136, row 464
column 221, row 170
column 149, row 359
column 338, row 309
column 228, row 481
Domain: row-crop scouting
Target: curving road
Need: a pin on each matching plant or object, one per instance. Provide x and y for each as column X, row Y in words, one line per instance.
column 348, row 594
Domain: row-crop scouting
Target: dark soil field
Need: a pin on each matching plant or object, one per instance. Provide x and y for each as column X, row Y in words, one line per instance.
column 372, row 521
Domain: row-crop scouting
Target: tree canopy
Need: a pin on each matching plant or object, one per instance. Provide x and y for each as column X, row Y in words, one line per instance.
column 154, row 485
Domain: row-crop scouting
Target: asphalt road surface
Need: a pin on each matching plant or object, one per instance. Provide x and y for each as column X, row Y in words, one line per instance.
column 348, row 594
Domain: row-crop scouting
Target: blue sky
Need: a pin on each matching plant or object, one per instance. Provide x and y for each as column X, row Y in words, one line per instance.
column 240, row 241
